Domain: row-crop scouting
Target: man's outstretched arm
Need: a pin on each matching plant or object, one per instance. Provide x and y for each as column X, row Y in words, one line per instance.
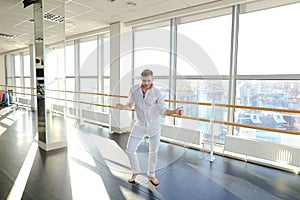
column 123, row 107
column 177, row 111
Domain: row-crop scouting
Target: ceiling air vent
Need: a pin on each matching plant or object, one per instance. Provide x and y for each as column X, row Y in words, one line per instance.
column 7, row 35
column 50, row 17
column 54, row 18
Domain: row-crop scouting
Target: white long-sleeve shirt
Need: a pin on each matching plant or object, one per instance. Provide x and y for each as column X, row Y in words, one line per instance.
column 150, row 108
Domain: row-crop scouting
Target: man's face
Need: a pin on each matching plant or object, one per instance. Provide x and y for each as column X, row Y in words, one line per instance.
column 147, row 81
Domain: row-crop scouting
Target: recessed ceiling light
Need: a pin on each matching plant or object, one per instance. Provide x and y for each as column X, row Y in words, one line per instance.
column 131, row 3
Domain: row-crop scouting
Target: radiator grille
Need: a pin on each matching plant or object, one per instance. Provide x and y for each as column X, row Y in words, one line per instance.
column 264, row 150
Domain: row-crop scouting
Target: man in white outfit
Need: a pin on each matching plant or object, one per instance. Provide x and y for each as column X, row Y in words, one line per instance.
column 149, row 107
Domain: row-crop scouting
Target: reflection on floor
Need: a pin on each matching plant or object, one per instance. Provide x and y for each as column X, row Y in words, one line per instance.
column 95, row 166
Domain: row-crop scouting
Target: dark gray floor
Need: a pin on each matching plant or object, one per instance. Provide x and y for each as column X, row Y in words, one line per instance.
column 94, row 166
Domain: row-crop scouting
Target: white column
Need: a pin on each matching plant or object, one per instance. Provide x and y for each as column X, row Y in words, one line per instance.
column 120, row 73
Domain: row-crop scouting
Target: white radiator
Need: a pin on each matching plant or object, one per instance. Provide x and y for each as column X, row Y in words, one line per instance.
column 262, row 149
column 23, row 102
column 58, row 109
column 182, row 136
column 101, row 118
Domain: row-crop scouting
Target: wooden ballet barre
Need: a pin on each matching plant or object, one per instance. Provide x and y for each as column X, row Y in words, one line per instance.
column 236, row 106
column 259, row 108
column 87, row 103
column 239, row 125
column 10, row 86
column 176, row 101
column 189, row 102
column 25, row 94
column 258, row 127
column 180, row 116
column 93, row 93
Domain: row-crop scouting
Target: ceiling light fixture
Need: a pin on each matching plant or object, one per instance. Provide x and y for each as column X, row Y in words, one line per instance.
column 7, row 35
column 50, row 17
column 131, row 3
column 53, row 18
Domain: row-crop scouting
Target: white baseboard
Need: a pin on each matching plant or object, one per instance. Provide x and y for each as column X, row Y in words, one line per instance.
column 52, row 146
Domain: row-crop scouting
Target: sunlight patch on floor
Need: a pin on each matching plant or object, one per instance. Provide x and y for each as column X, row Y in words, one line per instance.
column 15, row 116
column 7, row 122
column 2, row 129
column 115, row 158
column 4, row 111
column 85, row 183
column 17, row 190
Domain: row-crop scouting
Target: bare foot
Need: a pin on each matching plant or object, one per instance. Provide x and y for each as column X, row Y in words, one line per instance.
column 132, row 179
column 154, row 181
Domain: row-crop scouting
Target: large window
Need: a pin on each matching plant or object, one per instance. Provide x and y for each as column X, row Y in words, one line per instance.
column 21, row 76
column 55, row 75
column 204, row 47
column 268, row 66
column 26, row 63
column 269, row 41
column 70, row 60
column 104, row 46
column 204, row 91
column 88, row 56
column 94, row 69
column 282, row 94
column 88, row 71
column 105, row 52
column 17, row 65
column 203, row 51
column 70, row 77
column 152, row 49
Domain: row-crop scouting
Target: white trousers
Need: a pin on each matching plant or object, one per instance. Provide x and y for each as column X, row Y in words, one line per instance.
column 136, row 136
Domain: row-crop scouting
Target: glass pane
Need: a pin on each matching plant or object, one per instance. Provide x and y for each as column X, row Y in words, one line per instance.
column 70, row 86
column 52, row 73
column 18, row 90
column 26, row 60
column 70, row 65
column 88, row 57
column 152, row 50
column 60, row 64
column 204, row 47
column 106, row 99
column 271, row 49
column 88, row 85
column 270, row 94
column 27, row 82
column 17, row 65
column 106, row 58
column 204, row 91
column 10, row 68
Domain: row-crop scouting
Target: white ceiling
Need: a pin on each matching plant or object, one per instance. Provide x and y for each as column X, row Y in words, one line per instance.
column 80, row 16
